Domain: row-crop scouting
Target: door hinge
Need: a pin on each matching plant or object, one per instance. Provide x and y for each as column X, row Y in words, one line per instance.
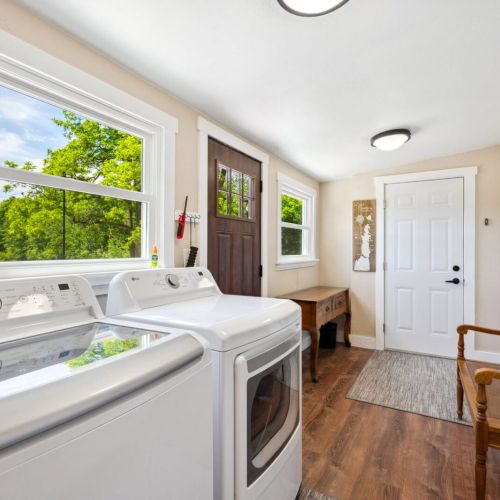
column 385, row 266
column 260, row 271
column 261, row 186
column 385, row 204
column 383, row 327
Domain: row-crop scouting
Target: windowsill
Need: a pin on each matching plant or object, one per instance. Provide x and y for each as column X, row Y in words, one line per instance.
column 99, row 273
column 295, row 264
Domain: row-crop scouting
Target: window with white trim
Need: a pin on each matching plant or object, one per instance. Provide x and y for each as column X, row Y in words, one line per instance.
column 83, row 181
column 296, row 223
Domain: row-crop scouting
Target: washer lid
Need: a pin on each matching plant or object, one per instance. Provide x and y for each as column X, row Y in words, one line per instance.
column 226, row 321
column 62, row 353
column 51, row 378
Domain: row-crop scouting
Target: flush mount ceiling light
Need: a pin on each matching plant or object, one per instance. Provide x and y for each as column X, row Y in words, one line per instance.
column 311, row 8
column 391, row 139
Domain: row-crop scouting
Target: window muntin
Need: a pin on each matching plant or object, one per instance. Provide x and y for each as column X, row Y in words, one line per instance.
column 83, row 197
column 296, row 222
column 235, row 194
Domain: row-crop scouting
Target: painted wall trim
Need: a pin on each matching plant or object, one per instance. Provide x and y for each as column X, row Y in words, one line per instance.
column 362, row 341
column 285, row 266
column 208, row 129
column 468, row 174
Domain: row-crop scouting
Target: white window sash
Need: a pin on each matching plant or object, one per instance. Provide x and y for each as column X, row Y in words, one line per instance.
column 291, row 225
column 68, row 184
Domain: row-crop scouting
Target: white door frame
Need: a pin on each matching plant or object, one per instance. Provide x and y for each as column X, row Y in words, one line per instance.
column 468, row 174
column 208, row 129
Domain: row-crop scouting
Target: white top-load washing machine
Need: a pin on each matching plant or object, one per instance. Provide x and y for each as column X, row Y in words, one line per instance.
column 255, row 346
column 95, row 409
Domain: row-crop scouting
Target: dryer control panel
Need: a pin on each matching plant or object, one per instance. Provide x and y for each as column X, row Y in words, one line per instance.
column 132, row 291
column 38, row 305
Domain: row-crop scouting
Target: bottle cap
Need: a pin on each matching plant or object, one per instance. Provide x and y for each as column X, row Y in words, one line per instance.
column 155, row 249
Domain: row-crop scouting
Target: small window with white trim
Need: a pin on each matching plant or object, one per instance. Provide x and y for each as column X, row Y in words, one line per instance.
column 296, row 223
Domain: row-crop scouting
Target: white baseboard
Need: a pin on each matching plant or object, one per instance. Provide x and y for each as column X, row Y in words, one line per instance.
column 356, row 340
column 362, row 341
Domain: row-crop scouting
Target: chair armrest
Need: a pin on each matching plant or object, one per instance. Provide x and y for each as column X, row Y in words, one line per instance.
column 463, row 329
column 484, row 376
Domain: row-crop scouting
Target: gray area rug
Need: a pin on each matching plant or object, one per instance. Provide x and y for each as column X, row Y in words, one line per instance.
column 306, row 493
column 410, row 382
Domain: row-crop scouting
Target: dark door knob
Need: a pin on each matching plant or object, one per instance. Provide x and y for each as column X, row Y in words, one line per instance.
column 456, row 268
column 455, row 281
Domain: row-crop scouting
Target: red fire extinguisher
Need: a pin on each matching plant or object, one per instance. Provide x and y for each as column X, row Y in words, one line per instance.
column 182, row 222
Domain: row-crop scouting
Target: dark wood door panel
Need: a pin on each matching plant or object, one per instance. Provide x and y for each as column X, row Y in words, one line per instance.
column 224, row 245
column 234, row 219
column 247, row 263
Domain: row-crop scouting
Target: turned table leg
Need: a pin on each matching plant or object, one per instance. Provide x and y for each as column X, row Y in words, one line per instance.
column 347, row 329
column 314, row 332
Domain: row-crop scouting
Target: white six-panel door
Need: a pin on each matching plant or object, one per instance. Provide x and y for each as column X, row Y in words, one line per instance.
column 423, row 245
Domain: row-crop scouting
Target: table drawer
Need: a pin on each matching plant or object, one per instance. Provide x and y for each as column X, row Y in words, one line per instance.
column 324, row 311
column 339, row 303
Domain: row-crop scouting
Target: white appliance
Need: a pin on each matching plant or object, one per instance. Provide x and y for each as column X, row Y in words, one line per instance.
column 255, row 346
column 95, row 409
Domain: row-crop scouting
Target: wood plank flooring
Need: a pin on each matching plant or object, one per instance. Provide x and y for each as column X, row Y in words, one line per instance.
column 356, row 450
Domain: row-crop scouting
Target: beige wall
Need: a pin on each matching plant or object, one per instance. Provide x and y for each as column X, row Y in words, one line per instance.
column 335, row 236
column 26, row 26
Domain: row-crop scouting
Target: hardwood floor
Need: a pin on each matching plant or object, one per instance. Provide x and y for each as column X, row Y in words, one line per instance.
column 356, row 450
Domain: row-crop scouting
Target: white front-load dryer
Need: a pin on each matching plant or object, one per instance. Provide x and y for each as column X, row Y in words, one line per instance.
column 256, row 352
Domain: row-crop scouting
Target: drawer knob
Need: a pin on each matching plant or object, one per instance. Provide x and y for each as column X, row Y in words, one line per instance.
column 327, row 308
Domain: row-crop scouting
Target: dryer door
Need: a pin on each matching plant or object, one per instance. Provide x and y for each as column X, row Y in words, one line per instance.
column 268, row 385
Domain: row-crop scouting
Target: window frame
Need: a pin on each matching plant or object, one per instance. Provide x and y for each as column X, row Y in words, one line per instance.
column 296, row 189
column 230, row 193
column 74, row 90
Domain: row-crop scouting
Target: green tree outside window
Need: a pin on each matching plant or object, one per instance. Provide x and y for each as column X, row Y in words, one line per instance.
column 292, row 210
column 40, row 223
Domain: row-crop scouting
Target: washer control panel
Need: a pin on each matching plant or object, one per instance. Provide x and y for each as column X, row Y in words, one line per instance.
column 134, row 290
column 54, row 299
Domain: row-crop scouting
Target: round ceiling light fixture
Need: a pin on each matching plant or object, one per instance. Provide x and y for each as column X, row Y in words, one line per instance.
column 311, row 8
column 391, row 139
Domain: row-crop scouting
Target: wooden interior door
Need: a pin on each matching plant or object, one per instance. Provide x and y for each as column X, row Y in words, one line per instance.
column 234, row 220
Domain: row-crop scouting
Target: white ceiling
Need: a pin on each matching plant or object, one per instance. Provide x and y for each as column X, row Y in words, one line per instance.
column 314, row 90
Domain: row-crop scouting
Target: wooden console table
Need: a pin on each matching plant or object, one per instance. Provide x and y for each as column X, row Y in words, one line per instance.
column 320, row 305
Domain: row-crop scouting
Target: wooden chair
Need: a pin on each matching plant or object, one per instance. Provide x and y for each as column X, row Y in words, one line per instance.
column 484, row 404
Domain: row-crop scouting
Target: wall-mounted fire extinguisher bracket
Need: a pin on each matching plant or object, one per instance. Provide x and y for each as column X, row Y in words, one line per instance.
column 190, row 216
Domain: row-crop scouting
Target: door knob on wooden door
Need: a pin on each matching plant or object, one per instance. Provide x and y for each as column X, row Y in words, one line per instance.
column 455, row 281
